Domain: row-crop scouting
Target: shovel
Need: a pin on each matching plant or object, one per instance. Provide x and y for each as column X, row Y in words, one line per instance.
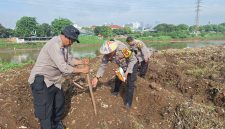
column 91, row 92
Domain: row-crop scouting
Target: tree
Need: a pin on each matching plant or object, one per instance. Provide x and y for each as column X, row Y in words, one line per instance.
column 9, row 33
column 221, row 28
column 222, row 24
column 166, row 28
column 192, row 28
column 2, row 30
column 182, row 27
column 117, row 31
column 122, row 31
column 104, row 31
column 160, row 27
column 5, row 32
column 127, row 30
column 43, row 30
column 209, row 28
column 26, row 26
column 59, row 24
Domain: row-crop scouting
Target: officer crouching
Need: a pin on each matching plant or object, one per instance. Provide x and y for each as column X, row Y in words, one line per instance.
column 120, row 54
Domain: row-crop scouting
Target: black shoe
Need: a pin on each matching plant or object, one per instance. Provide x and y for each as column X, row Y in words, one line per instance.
column 115, row 93
column 142, row 76
column 127, row 107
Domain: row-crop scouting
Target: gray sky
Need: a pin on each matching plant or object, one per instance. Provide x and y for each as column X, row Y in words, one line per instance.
column 98, row 12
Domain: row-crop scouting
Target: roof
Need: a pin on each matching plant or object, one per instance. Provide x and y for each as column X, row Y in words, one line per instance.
column 115, row 26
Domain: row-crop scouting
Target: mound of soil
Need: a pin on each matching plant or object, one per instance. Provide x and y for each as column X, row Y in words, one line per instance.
column 182, row 89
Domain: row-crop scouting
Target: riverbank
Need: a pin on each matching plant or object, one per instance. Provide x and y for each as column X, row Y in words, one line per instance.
column 4, row 66
column 188, row 40
column 94, row 40
column 184, row 88
column 12, row 46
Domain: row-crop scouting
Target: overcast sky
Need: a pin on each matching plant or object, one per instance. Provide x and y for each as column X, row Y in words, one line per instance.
column 98, row 12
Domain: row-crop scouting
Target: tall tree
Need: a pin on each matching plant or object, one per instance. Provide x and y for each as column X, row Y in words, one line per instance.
column 122, row 31
column 221, row 28
column 2, row 30
column 222, row 24
column 8, row 33
column 104, row 31
column 26, row 26
column 166, row 28
column 59, row 24
column 127, row 30
column 182, row 27
column 43, row 30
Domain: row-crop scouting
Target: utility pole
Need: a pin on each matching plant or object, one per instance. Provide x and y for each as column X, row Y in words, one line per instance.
column 197, row 16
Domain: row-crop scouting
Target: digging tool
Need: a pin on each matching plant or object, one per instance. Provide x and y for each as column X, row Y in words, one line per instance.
column 78, row 85
column 91, row 92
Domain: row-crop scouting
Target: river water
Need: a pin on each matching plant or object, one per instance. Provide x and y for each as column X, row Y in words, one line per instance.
column 19, row 56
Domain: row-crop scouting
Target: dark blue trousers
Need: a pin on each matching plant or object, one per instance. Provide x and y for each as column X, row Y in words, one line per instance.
column 48, row 103
column 131, row 78
column 143, row 68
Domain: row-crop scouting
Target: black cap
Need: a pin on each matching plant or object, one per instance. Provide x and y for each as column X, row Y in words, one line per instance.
column 129, row 39
column 71, row 32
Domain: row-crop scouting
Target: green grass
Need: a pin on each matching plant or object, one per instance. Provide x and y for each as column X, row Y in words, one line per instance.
column 90, row 39
column 4, row 66
column 5, row 45
column 214, row 36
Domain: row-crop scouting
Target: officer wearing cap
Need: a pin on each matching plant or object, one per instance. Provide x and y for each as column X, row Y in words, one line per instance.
column 53, row 61
column 142, row 53
column 119, row 53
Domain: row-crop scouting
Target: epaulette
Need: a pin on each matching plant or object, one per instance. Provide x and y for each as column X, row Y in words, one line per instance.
column 126, row 52
column 139, row 45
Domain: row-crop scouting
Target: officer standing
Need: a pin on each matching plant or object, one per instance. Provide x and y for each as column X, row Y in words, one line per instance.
column 142, row 53
column 53, row 61
column 119, row 53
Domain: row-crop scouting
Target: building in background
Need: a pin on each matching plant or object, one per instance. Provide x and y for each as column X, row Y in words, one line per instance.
column 135, row 26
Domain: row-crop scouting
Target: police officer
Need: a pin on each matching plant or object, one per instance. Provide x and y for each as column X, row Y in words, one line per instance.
column 142, row 53
column 53, row 61
column 119, row 53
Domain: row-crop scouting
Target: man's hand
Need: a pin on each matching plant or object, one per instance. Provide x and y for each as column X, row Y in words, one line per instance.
column 94, row 82
column 85, row 61
column 82, row 62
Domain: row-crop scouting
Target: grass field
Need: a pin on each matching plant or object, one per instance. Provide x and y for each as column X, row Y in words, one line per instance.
column 5, row 66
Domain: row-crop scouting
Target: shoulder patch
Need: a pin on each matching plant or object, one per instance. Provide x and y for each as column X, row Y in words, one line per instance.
column 139, row 45
column 126, row 52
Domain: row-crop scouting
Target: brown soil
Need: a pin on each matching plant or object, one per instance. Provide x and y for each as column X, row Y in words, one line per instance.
column 183, row 89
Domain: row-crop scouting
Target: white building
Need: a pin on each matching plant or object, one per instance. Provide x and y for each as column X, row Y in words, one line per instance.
column 77, row 26
column 135, row 26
